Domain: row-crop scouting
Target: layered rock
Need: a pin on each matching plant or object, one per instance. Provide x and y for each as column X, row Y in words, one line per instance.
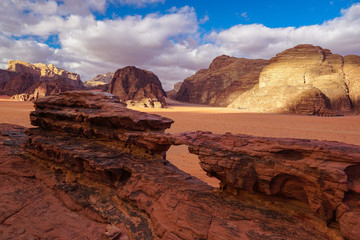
column 109, row 163
column 26, row 82
column 137, row 87
column 302, row 73
column 225, row 79
column 100, row 81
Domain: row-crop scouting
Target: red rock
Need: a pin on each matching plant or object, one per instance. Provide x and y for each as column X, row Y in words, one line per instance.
column 133, row 84
column 226, row 78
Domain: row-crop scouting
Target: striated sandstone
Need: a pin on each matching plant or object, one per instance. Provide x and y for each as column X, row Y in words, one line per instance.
column 137, row 87
column 300, row 73
column 225, row 79
column 108, row 163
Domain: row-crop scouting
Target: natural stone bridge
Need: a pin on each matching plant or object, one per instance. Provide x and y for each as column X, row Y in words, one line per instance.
column 109, row 163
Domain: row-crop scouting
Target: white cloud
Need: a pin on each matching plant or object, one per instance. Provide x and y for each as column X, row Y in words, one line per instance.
column 341, row 35
column 171, row 45
column 140, row 3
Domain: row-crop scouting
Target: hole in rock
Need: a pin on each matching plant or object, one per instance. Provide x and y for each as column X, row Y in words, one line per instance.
column 289, row 186
column 189, row 163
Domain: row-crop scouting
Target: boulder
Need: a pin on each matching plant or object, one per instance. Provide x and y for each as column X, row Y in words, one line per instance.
column 225, row 79
column 134, row 85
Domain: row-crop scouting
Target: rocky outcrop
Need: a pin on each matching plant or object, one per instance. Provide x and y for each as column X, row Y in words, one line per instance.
column 224, row 80
column 302, row 73
column 107, row 163
column 26, row 82
column 137, row 87
column 100, row 81
column 322, row 174
column 43, row 72
column 172, row 93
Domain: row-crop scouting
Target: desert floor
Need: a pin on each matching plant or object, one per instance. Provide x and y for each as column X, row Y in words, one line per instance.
column 190, row 117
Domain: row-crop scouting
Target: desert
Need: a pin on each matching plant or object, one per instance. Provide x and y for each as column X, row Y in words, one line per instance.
column 173, row 120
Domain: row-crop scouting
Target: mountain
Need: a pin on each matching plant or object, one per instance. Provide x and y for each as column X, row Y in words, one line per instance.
column 137, row 87
column 24, row 81
column 99, row 81
column 226, row 78
column 305, row 79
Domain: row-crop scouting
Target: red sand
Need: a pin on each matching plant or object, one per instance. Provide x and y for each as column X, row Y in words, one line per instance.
column 220, row 120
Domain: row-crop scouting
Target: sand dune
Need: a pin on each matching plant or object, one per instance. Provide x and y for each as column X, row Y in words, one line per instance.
column 189, row 117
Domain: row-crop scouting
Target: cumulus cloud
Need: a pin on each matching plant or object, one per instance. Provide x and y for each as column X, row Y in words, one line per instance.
column 172, row 45
column 341, row 35
column 140, row 3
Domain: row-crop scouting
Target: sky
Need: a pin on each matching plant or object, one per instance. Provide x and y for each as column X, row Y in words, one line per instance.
column 173, row 39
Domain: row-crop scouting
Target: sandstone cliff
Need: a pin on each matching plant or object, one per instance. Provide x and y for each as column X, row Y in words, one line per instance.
column 100, row 169
column 137, row 87
column 99, row 81
column 305, row 79
column 225, row 79
column 172, row 93
column 26, row 82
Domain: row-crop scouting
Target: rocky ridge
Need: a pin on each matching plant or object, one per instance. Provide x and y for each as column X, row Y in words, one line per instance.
column 100, row 81
column 137, row 87
column 225, row 79
column 108, row 163
column 26, row 82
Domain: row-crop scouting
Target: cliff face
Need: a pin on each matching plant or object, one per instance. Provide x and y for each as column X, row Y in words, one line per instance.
column 26, row 82
column 99, row 81
column 137, row 87
column 308, row 76
column 226, row 78
column 94, row 160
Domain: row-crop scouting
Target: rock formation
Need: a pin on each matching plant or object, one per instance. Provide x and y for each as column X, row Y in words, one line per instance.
column 100, row 81
column 172, row 93
column 107, row 165
column 137, row 87
column 305, row 79
column 224, row 80
column 26, row 82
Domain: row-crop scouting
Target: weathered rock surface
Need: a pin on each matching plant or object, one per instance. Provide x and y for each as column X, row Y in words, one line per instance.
column 137, row 87
column 108, row 163
column 306, row 76
column 26, row 82
column 100, row 81
column 225, row 79
column 172, row 93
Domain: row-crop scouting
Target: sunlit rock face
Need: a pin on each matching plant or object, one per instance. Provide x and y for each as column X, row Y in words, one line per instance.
column 305, row 79
column 99, row 81
column 137, row 87
column 26, row 82
column 43, row 72
column 224, row 80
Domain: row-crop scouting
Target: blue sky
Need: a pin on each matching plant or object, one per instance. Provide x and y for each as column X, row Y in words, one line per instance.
column 171, row 38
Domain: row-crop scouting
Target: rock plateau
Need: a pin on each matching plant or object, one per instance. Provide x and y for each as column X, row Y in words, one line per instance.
column 25, row 82
column 99, row 170
column 137, row 87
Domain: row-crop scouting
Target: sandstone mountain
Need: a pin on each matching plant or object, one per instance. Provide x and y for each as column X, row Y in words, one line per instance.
column 305, row 79
column 99, row 81
column 224, row 80
column 137, row 87
column 172, row 93
column 24, row 81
